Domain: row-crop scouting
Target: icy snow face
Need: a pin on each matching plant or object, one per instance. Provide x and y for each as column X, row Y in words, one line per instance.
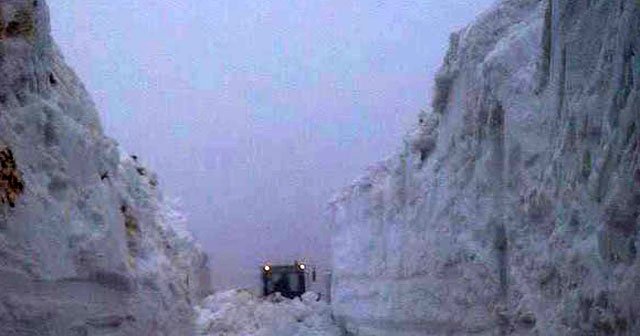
column 87, row 246
column 241, row 313
column 514, row 206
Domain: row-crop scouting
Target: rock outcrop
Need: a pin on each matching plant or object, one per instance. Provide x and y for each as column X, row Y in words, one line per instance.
column 87, row 245
column 514, row 206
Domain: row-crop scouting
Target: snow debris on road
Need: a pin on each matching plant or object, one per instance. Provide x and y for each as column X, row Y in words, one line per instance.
column 241, row 313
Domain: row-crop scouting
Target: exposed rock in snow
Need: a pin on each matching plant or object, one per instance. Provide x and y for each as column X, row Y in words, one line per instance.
column 514, row 206
column 87, row 245
column 241, row 313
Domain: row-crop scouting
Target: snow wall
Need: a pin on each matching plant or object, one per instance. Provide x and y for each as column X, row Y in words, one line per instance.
column 87, row 244
column 512, row 207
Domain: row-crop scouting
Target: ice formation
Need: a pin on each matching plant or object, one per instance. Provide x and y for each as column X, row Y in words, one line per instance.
column 241, row 313
column 513, row 207
column 87, row 244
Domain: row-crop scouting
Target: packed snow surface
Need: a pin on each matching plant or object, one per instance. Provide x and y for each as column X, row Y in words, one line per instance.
column 241, row 313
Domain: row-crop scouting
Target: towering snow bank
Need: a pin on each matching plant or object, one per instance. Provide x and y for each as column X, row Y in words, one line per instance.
column 513, row 206
column 241, row 313
column 87, row 246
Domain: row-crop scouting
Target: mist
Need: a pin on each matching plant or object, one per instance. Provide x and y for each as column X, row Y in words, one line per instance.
column 253, row 113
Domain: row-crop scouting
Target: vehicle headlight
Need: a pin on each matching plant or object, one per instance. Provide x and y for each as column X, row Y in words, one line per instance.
column 266, row 268
column 302, row 266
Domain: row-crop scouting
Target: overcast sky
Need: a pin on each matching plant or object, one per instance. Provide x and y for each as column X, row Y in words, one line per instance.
column 254, row 113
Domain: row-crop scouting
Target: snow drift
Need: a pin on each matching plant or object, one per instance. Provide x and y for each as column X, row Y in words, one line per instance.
column 513, row 207
column 241, row 313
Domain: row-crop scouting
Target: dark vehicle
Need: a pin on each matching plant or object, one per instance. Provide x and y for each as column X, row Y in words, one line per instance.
column 289, row 280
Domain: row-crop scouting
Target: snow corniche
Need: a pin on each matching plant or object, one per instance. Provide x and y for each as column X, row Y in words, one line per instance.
column 513, row 207
column 87, row 244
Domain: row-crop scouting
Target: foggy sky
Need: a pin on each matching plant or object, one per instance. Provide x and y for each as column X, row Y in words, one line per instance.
column 254, row 113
